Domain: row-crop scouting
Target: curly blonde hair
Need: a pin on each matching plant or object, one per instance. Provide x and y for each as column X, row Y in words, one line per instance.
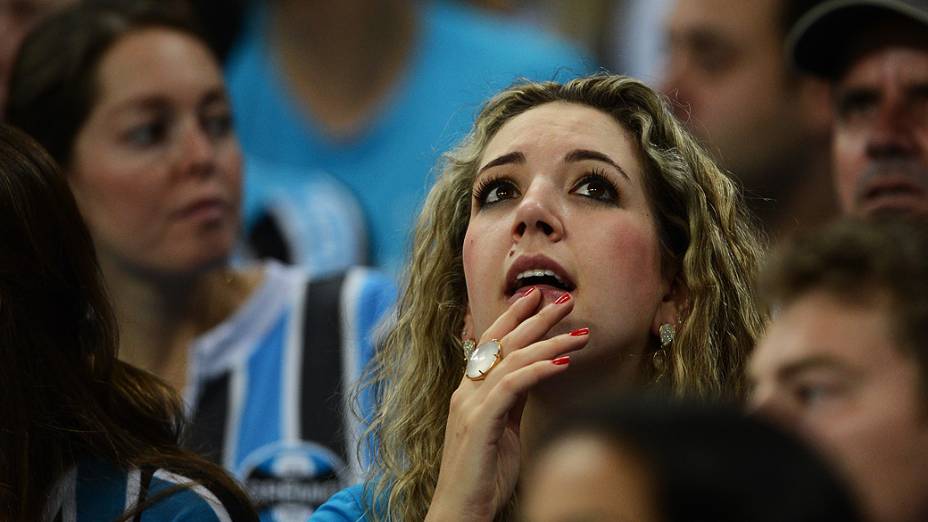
column 707, row 240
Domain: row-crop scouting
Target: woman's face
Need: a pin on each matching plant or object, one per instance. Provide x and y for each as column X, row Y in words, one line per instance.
column 156, row 168
column 559, row 192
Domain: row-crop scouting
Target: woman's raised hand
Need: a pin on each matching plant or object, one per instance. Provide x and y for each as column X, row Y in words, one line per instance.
column 481, row 453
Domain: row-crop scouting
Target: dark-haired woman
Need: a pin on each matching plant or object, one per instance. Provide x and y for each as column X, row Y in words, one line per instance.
column 131, row 102
column 83, row 436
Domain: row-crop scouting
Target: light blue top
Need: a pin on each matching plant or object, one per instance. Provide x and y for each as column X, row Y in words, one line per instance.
column 268, row 389
column 462, row 58
column 344, row 506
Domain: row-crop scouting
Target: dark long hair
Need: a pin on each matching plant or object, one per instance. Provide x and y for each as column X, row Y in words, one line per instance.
column 65, row 395
column 53, row 84
column 710, row 462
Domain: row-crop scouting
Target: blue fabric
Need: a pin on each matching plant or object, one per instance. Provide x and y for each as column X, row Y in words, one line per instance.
column 184, row 505
column 321, row 221
column 265, row 400
column 344, row 506
column 463, row 57
column 101, row 491
column 96, row 490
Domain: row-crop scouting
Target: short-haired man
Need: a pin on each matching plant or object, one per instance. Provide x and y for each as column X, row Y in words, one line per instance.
column 875, row 54
column 734, row 88
column 845, row 358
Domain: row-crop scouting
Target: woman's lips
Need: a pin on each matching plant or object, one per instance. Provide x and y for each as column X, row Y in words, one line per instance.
column 206, row 209
column 537, row 263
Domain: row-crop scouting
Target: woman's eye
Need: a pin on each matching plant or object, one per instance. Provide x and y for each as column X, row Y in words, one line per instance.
column 597, row 187
column 217, row 125
column 496, row 191
column 146, row 134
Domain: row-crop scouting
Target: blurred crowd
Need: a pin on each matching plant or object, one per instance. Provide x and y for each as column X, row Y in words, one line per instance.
column 643, row 260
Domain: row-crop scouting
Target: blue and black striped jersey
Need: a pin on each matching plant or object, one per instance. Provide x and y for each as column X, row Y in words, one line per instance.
column 268, row 389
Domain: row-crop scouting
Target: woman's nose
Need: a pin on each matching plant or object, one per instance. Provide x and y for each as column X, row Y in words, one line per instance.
column 196, row 150
column 538, row 214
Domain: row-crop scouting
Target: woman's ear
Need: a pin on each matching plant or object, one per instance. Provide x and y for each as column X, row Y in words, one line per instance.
column 673, row 307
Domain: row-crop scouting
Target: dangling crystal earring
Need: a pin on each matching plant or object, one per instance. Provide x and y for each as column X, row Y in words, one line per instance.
column 667, row 333
column 659, row 362
column 659, row 359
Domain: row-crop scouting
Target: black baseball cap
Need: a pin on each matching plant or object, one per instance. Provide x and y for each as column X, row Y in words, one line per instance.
column 818, row 42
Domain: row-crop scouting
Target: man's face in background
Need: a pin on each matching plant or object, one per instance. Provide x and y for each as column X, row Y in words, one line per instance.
column 727, row 71
column 880, row 147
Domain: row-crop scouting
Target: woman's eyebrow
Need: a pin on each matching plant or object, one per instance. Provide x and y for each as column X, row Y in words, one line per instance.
column 134, row 106
column 583, row 154
column 215, row 95
column 512, row 157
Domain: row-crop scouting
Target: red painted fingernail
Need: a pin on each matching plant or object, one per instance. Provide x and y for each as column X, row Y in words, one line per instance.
column 580, row 331
column 563, row 299
column 560, row 361
column 525, row 291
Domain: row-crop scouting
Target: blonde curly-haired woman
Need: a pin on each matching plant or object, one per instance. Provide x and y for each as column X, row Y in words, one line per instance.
column 580, row 239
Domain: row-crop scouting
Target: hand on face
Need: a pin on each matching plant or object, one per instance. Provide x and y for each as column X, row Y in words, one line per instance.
column 482, row 448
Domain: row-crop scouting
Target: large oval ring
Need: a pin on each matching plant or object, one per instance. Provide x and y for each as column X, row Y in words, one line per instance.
column 484, row 358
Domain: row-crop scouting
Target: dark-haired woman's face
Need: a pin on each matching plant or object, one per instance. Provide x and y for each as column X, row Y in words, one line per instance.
column 157, row 168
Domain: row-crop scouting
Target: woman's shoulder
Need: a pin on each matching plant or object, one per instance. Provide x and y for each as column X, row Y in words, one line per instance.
column 345, row 506
column 97, row 490
column 185, row 499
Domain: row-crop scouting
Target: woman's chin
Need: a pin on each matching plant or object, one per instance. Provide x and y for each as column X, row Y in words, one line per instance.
column 184, row 267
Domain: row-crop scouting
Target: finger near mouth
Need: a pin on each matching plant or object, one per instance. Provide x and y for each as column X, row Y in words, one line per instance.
column 549, row 293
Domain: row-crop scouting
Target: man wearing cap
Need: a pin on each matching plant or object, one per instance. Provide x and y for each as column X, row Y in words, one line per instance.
column 875, row 54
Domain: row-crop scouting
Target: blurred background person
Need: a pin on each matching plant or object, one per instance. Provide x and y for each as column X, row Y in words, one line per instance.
column 635, row 44
column 637, row 459
column 370, row 93
column 875, row 54
column 83, row 436
column 17, row 17
column 767, row 124
column 845, row 358
column 129, row 99
column 322, row 230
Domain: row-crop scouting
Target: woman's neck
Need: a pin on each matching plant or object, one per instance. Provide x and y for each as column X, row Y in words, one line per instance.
column 342, row 59
column 160, row 317
column 572, row 390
